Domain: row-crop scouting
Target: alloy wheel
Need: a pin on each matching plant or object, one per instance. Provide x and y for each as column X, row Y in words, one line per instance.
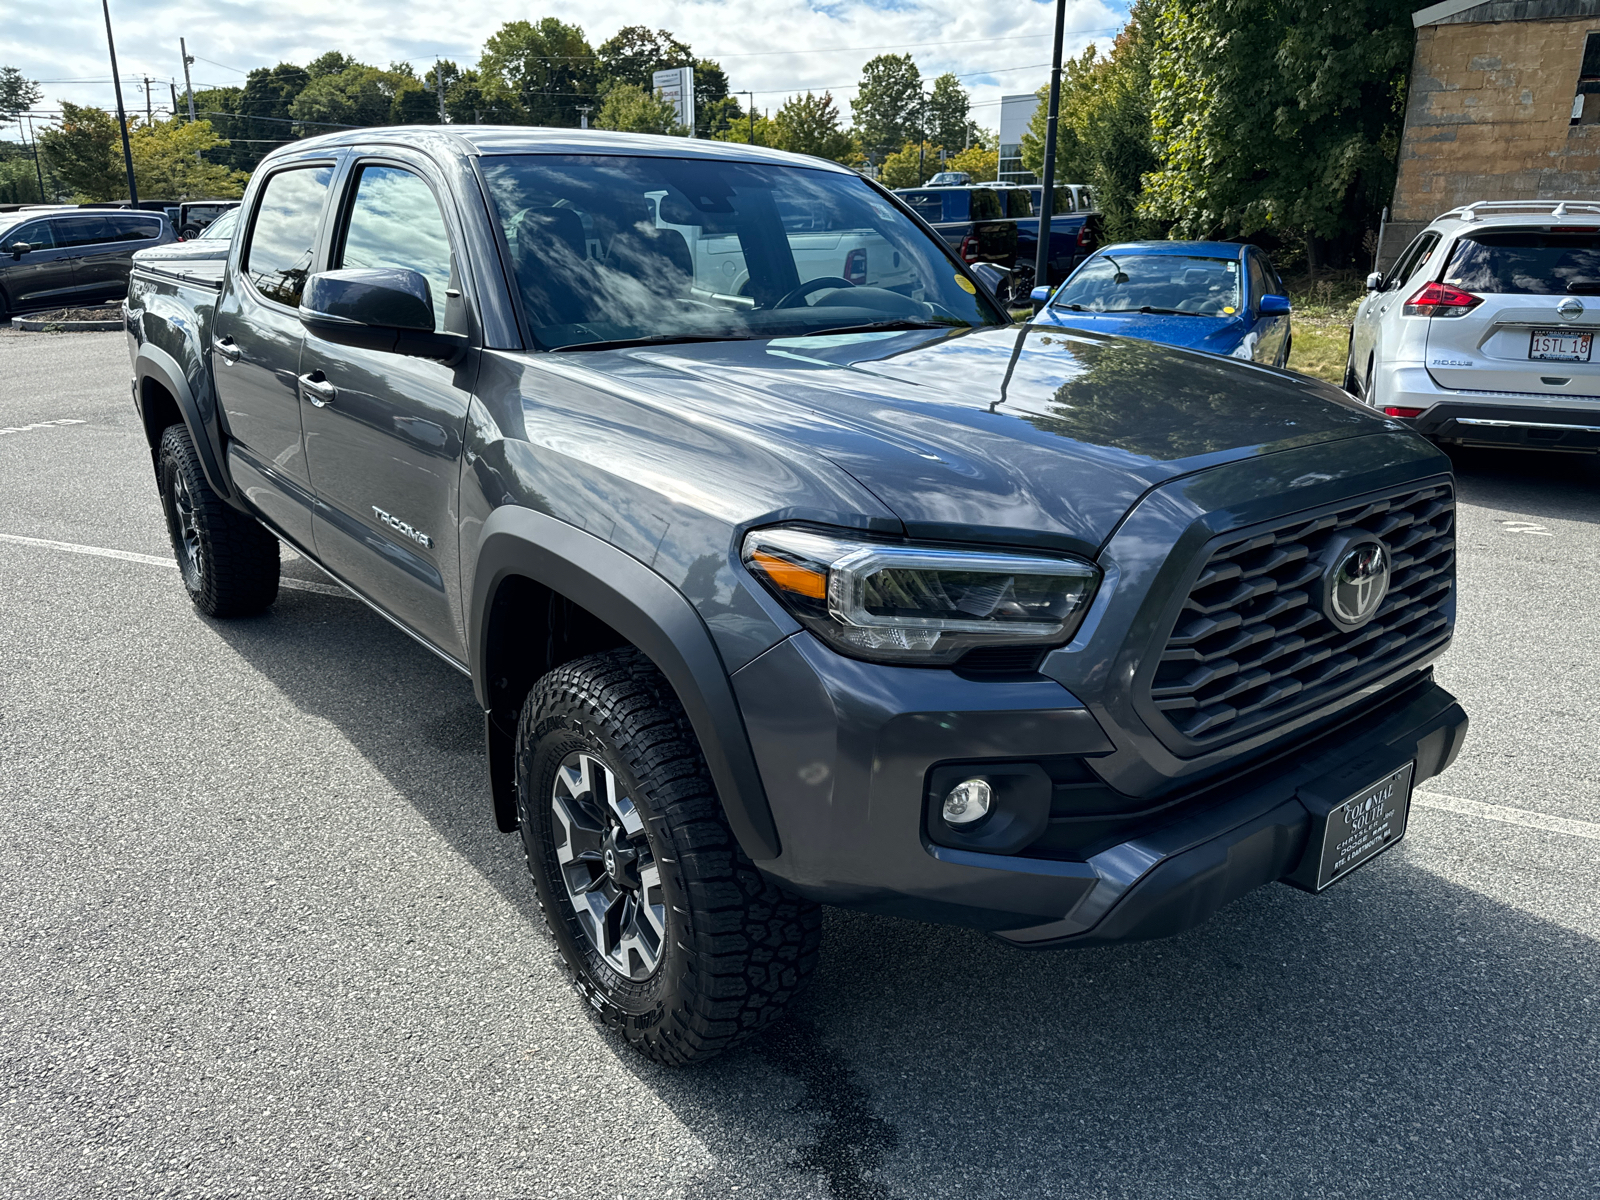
column 607, row 867
column 191, row 551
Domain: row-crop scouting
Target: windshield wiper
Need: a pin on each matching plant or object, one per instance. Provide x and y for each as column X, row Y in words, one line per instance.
column 870, row 326
column 657, row 339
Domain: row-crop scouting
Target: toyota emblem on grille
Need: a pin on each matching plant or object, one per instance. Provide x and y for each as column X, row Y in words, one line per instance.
column 1356, row 582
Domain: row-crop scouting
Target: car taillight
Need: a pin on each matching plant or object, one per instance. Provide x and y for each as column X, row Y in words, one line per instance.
column 855, row 267
column 969, row 249
column 1085, row 238
column 1440, row 300
column 1395, row 410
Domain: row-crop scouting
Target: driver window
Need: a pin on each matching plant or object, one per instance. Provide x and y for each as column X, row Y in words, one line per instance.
column 396, row 222
column 39, row 235
column 1259, row 284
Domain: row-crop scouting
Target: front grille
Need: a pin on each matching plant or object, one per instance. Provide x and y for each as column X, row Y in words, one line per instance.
column 1251, row 644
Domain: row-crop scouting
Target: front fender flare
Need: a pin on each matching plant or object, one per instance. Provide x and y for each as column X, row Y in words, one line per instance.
column 154, row 363
column 652, row 615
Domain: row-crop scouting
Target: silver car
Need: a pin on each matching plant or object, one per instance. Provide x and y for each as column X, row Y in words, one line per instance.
column 1483, row 331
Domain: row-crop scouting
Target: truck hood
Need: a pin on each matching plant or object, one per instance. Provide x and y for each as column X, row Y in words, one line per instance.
column 1031, row 434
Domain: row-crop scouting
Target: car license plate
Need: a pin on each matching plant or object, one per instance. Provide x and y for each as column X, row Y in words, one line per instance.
column 1560, row 345
column 1365, row 825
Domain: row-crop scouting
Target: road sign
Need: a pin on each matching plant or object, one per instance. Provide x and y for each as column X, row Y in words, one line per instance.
column 676, row 87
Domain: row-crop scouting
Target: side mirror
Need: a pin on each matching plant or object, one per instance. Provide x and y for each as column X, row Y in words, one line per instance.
column 1375, row 282
column 1274, row 306
column 379, row 308
column 18, row 249
column 1040, row 296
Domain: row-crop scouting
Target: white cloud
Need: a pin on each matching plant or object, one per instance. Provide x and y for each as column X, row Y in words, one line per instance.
column 774, row 47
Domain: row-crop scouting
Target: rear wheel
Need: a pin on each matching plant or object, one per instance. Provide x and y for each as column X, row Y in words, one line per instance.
column 663, row 925
column 228, row 561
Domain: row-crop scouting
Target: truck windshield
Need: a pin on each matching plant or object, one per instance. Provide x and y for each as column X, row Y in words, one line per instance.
column 609, row 248
column 1162, row 283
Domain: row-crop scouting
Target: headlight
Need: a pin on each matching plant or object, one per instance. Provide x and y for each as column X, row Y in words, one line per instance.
column 919, row 604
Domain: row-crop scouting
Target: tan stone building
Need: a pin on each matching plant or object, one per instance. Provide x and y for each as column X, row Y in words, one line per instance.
column 1504, row 105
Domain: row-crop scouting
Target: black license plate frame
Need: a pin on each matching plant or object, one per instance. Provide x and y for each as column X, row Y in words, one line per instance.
column 1585, row 336
column 1363, row 826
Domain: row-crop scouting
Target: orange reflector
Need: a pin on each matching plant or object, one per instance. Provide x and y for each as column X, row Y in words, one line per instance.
column 792, row 577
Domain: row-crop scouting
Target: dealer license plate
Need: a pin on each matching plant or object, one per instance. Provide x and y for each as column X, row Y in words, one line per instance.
column 1560, row 345
column 1365, row 825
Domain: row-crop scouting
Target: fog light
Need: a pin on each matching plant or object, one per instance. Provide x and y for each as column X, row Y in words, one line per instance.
column 968, row 801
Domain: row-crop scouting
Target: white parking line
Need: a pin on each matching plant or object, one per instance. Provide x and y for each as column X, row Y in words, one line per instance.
column 1511, row 816
column 149, row 560
column 5, row 429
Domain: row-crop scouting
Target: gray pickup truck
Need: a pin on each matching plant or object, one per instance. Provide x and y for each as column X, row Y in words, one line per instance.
column 821, row 592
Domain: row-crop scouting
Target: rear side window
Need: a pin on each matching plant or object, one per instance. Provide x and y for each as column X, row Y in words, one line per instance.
column 395, row 222
column 83, row 231
column 985, row 205
column 1018, row 203
column 927, row 205
column 1411, row 259
column 133, row 229
column 1527, row 263
column 284, row 237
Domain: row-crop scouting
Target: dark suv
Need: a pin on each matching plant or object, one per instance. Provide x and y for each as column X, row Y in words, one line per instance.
column 818, row 589
column 66, row 257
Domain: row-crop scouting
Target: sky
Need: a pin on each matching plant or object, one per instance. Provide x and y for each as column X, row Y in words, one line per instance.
column 773, row 47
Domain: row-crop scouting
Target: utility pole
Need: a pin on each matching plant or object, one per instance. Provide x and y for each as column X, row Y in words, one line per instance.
column 149, row 105
column 1041, row 262
column 173, row 84
column 122, row 115
column 438, row 86
column 39, row 170
column 752, row 96
column 188, row 87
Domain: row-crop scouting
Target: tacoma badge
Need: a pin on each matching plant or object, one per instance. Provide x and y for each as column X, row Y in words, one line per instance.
column 401, row 527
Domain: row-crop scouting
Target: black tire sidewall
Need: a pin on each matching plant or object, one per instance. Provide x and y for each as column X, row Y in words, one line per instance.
column 175, row 459
column 635, row 1007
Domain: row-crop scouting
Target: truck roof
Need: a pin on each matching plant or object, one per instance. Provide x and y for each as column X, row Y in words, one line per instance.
column 538, row 139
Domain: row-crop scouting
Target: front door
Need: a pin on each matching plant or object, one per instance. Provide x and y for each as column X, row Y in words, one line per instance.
column 106, row 256
column 39, row 277
column 255, row 354
column 383, row 430
column 1270, row 331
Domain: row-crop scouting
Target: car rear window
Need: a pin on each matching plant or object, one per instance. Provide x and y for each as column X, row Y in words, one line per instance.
column 937, row 206
column 1526, row 262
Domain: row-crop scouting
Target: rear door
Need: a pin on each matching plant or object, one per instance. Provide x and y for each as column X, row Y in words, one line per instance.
column 1537, row 317
column 40, row 277
column 103, row 264
column 1375, row 306
column 383, row 430
column 255, row 352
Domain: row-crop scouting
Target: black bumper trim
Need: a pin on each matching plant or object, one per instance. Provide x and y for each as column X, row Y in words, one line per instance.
column 1179, row 875
column 1531, row 427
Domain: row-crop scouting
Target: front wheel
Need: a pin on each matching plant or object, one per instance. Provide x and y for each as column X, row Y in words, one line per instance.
column 228, row 561
column 663, row 925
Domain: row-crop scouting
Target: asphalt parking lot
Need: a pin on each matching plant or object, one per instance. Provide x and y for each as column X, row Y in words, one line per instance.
column 259, row 936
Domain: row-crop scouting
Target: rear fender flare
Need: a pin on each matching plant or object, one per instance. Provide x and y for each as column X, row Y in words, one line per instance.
column 654, row 617
column 156, row 365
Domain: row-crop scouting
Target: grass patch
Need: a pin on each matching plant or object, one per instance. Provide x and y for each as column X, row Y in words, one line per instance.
column 1323, row 310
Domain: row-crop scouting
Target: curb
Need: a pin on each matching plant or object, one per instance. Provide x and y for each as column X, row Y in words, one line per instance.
column 33, row 325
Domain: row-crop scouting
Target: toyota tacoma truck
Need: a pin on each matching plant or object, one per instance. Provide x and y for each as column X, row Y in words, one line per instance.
column 826, row 594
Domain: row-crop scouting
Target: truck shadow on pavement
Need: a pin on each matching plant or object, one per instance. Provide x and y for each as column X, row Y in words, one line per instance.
column 1399, row 1036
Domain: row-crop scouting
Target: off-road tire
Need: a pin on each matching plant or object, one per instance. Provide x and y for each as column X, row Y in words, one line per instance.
column 737, row 947
column 227, row 560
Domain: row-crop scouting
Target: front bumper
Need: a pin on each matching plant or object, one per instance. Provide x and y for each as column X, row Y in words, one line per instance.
column 846, row 750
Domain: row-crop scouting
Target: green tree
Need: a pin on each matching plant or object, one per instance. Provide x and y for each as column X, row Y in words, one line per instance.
column 85, row 153
column 168, row 162
column 254, row 120
column 909, row 167
column 539, row 74
column 977, row 161
column 636, row 53
column 711, row 100
column 17, row 93
column 949, row 114
column 809, row 124
column 887, row 106
column 357, row 95
column 739, row 127
column 334, row 62
column 1276, row 113
column 723, row 120
column 632, row 109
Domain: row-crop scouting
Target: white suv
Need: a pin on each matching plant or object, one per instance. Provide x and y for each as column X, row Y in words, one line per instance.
column 1484, row 331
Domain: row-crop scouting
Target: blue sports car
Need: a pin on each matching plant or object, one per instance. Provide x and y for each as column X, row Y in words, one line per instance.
column 1219, row 297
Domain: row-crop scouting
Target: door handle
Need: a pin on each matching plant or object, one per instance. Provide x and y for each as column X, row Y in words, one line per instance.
column 228, row 348
column 317, row 388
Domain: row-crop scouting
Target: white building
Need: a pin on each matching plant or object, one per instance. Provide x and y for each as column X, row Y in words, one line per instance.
column 1016, row 113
